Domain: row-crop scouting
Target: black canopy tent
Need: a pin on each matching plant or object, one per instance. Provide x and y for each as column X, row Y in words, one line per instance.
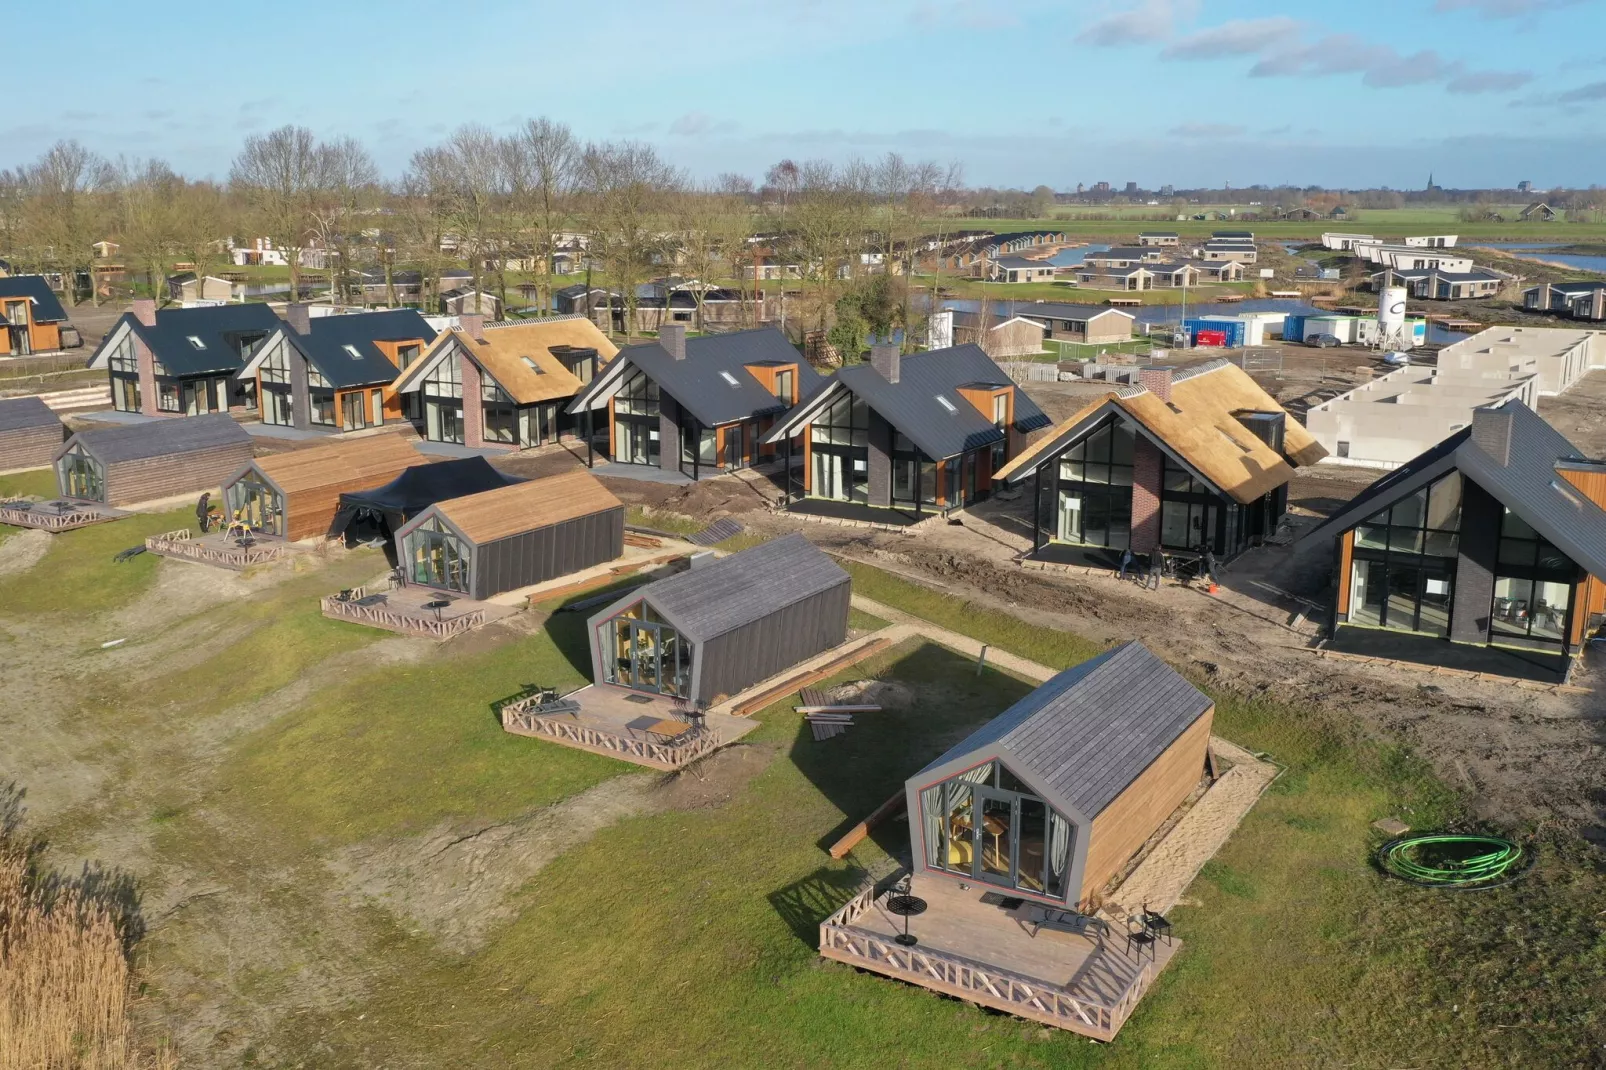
column 380, row 512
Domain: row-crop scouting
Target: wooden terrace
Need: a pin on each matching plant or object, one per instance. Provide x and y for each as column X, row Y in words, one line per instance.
column 216, row 548
column 1001, row 954
column 57, row 514
column 651, row 730
column 422, row 612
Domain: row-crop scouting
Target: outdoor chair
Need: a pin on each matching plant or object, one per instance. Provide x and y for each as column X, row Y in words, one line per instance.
column 1139, row 935
column 1156, row 924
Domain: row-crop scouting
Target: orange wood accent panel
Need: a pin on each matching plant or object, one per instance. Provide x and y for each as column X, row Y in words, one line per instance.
column 1133, row 816
column 1346, row 548
column 1592, row 484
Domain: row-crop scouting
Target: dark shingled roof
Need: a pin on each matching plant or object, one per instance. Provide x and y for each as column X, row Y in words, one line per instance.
column 18, row 413
column 327, row 336
column 1092, row 730
column 160, row 438
column 711, row 600
column 697, row 383
column 217, row 326
column 46, row 305
column 911, row 404
column 1057, row 310
column 1527, row 484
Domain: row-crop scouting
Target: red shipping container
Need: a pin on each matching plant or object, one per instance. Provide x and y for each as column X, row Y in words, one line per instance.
column 1210, row 338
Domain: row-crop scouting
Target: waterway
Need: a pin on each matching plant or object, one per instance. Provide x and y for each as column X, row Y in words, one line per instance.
column 1537, row 251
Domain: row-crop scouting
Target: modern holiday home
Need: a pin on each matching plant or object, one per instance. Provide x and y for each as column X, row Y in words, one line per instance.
column 183, row 361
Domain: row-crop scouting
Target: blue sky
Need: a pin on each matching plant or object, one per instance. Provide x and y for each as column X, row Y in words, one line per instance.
column 1190, row 92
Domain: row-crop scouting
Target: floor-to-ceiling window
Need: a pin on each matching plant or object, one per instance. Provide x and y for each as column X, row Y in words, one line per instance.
column 320, row 399
column 1190, row 512
column 500, row 412
column 643, row 652
column 80, row 476
column 1533, row 588
column 636, row 420
column 1403, row 561
column 435, row 557
column 839, row 442
column 911, row 471
column 277, row 400
column 124, row 368
column 988, row 825
column 253, row 502
column 1095, row 488
column 443, row 401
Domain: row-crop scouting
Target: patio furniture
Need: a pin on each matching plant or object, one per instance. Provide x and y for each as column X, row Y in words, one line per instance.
column 668, row 730
column 906, row 906
column 437, row 604
column 1138, row 935
column 1065, row 920
column 1156, row 924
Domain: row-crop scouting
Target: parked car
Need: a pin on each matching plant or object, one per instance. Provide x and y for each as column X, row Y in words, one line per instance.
column 1396, row 357
column 1323, row 341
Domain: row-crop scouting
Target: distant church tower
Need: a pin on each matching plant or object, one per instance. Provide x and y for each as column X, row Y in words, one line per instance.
column 1431, row 186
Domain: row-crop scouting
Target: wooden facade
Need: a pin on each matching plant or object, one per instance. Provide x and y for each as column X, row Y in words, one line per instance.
column 151, row 461
column 295, row 495
column 30, row 434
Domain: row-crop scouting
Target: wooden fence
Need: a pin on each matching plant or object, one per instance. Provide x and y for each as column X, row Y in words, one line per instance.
column 420, row 622
column 26, row 513
column 518, row 717
column 977, row 982
column 182, row 544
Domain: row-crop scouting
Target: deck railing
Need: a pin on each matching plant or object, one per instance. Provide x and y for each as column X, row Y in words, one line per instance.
column 978, row 982
column 183, row 544
column 407, row 620
column 26, row 513
column 520, row 716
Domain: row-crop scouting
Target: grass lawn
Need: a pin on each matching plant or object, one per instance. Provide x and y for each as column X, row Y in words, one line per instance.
column 78, row 574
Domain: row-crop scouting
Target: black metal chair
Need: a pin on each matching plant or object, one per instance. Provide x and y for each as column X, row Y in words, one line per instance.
column 1139, row 936
column 1156, row 924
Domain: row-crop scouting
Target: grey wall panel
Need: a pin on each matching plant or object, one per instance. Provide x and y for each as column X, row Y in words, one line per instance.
column 300, row 391
column 547, row 553
column 669, row 421
column 772, row 644
column 1474, row 568
column 880, row 488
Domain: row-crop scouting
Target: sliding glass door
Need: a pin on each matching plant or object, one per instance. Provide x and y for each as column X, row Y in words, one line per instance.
column 984, row 825
column 648, row 655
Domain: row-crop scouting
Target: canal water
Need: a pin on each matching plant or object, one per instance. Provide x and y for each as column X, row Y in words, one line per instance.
column 1537, row 251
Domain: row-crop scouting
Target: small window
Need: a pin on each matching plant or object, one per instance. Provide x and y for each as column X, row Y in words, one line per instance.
column 945, row 403
column 1343, row 448
column 533, row 366
column 729, row 378
column 351, row 351
column 196, row 342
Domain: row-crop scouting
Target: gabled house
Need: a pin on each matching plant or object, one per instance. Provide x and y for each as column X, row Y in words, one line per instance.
column 1016, row 269
column 183, row 361
column 31, row 316
column 907, row 433
column 503, row 385
column 334, row 373
column 1435, row 284
column 150, row 461
column 1096, row 277
column 1578, row 300
column 581, row 299
column 1487, row 552
column 1221, row 247
column 1003, row 336
column 1159, row 237
column 1539, row 212
column 1182, row 462
column 186, row 287
column 466, row 299
column 295, row 494
column 697, row 405
column 1078, row 323
column 30, row 433
column 1219, row 270
column 1121, row 256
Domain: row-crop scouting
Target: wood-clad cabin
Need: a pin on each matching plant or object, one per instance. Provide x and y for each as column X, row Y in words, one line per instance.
column 30, row 434
column 295, row 495
column 724, row 625
column 144, row 462
column 1052, row 797
column 31, row 316
column 513, row 536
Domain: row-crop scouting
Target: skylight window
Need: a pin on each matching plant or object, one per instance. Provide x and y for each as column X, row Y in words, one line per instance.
column 945, row 403
column 351, row 351
column 529, row 362
column 196, row 342
column 729, row 378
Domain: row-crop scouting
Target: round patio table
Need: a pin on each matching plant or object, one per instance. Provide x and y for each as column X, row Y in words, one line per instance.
column 906, row 907
column 437, row 605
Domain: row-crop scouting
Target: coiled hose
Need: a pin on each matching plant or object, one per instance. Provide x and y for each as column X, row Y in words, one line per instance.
column 1449, row 860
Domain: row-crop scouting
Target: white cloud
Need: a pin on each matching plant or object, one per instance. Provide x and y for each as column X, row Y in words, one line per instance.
column 1241, row 37
column 1150, row 22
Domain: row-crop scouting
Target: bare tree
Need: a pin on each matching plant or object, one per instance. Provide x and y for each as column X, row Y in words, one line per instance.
column 425, row 213
column 148, row 198
column 348, row 181
column 281, row 174
column 625, row 186
column 827, row 227
column 550, row 175
column 67, row 191
column 200, row 225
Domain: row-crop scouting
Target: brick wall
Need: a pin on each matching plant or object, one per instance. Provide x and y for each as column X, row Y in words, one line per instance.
column 1147, row 466
column 473, row 407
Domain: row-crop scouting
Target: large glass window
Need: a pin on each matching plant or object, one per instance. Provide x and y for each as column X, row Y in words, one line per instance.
column 80, row 476
column 647, row 654
column 839, row 442
column 1095, row 488
column 436, row 558
column 1533, row 587
column 274, row 372
column 124, row 366
column 987, row 824
column 320, row 398
column 501, row 414
column 1403, row 571
column 251, row 501
column 636, row 420
column 911, row 471
column 442, row 389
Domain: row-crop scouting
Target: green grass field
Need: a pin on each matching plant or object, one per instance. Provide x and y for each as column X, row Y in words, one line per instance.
column 235, row 784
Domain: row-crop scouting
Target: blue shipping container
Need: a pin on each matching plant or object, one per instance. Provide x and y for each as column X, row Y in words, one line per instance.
column 1294, row 328
column 1233, row 329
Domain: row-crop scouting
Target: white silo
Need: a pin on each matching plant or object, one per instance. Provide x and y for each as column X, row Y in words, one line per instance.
column 1391, row 318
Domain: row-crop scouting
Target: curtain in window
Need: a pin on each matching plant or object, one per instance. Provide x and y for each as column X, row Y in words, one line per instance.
column 931, row 806
column 1059, row 843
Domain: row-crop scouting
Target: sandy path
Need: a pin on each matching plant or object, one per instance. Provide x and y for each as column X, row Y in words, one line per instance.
column 23, row 550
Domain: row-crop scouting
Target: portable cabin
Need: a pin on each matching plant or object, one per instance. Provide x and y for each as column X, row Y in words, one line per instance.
column 513, row 536
column 725, row 625
column 380, row 512
column 144, row 462
column 1052, row 797
column 30, row 433
column 296, row 495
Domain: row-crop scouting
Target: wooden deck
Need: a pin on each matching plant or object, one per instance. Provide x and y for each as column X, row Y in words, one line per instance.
column 216, row 549
column 615, row 721
column 1086, row 982
column 404, row 610
column 59, row 514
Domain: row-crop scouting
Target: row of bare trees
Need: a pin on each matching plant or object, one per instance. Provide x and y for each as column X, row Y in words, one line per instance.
column 499, row 204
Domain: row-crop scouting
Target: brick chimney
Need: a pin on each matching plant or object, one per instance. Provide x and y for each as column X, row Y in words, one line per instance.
column 473, row 325
column 887, row 359
column 299, row 317
column 1491, row 433
column 672, row 337
column 1156, row 381
column 144, row 310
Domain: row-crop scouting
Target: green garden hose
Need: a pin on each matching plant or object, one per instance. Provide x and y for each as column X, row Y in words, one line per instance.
column 1448, row 860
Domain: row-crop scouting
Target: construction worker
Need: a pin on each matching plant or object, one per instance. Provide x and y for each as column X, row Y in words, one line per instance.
column 203, row 510
column 1126, row 562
